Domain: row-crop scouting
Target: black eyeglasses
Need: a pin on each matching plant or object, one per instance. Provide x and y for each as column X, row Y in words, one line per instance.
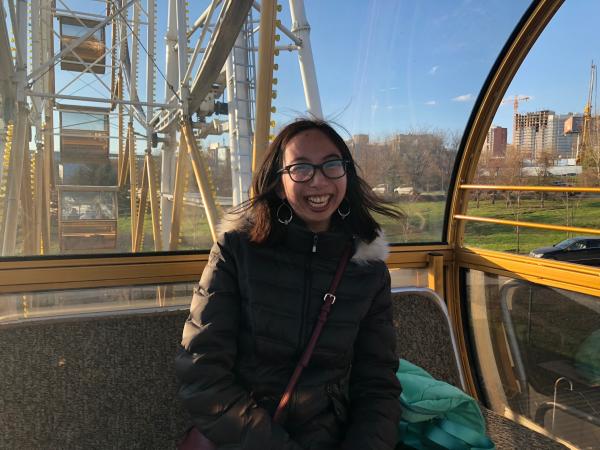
column 304, row 172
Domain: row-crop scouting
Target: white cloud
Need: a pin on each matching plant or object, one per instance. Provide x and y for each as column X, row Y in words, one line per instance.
column 463, row 98
column 433, row 70
column 431, row 103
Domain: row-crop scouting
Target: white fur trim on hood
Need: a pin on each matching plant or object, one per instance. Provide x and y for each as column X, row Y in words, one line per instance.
column 377, row 250
column 373, row 251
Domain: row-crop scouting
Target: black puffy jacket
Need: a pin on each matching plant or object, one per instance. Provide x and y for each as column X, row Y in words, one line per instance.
column 252, row 316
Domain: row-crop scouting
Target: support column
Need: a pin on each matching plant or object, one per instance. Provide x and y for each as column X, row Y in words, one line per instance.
column 132, row 182
column 240, row 125
column 264, row 85
column 301, row 29
column 201, row 174
column 14, row 182
column 435, row 273
column 233, row 129
column 48, row 181
column 167, row 182
column 180, row 178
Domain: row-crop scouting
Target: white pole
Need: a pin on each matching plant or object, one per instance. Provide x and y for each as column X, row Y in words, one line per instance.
column 182, row 45
column 233, row 131
column 301, row 29
column 150, row 47
column 168, row 148
column 35, row 62
column 240, row 125
column 135, row 50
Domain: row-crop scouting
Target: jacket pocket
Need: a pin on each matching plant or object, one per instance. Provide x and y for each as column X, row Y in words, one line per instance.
column 339, row 401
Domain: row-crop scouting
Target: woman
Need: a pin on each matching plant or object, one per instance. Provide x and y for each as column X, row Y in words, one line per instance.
column 260, row 294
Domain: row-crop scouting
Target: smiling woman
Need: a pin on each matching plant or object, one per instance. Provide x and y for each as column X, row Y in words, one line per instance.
column 273, row 266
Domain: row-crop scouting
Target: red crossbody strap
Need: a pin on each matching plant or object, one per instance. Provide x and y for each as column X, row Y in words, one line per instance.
column 328, row 300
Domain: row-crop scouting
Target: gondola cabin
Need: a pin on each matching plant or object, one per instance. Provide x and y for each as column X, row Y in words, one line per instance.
column 89, row 54
column 84, row 135
column 88, row 217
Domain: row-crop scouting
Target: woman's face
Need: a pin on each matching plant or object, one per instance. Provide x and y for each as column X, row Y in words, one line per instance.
column 316, row 200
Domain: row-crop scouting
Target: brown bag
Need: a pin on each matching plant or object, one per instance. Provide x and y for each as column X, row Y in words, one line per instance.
column 195, row 440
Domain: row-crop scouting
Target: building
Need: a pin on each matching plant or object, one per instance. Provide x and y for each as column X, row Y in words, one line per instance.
column 359, row 144
column 544, row 131
column 495, row 142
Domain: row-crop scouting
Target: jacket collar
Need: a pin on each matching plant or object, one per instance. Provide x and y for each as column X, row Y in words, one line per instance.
column 301, row 239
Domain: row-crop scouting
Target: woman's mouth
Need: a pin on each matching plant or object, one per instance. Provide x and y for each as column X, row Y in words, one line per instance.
column 318, row 201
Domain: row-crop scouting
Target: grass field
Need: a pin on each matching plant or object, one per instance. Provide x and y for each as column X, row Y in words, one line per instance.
column 424, row 224
column 578, row 212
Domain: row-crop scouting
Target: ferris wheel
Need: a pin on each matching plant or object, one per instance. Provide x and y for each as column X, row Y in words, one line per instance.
column 88, row 92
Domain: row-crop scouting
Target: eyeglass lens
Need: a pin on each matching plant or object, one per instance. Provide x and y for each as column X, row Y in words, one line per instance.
column 305, row 171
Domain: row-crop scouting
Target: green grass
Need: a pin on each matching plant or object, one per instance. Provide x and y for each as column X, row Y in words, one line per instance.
column 579, row 213
column 424, row 222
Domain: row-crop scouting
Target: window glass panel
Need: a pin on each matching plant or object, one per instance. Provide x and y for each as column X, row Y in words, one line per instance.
column 537, row 353
column 83, row 121
column 73, row 30
column 410, row 77
column 545, row 133
column 408, row 277
column 555, row 245
column 36, row 305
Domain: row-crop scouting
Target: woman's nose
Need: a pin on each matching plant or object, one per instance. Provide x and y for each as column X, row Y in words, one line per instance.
column 318, row 178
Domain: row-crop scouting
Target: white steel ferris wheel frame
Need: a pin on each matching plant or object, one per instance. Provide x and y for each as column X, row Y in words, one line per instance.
column 193, row 76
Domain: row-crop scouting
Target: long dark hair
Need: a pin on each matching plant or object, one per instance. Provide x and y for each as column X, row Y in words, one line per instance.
column 267, row 182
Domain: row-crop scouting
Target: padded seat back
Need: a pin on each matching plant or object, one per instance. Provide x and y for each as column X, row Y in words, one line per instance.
column 109, row 381
column 91, row 382
column 423, row 334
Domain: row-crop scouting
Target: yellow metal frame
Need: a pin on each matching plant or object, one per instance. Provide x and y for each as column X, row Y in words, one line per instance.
column 77, row 273
column 506, row 69
column 96, row 272
column 558, row 274
column 202, row 178
column 518, row 223
column 500, row 187
column 264, row 82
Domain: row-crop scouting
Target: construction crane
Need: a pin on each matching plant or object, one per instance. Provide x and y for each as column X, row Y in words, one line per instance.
column 584, row 143
column 515, row 101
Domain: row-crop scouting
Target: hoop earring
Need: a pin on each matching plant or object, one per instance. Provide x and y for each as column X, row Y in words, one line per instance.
column 344, row 214
column 291, row 213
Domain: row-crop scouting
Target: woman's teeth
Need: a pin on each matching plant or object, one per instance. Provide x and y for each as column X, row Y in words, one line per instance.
column 318, row 200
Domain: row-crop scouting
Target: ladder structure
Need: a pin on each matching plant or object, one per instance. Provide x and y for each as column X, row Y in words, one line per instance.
column 98, row 62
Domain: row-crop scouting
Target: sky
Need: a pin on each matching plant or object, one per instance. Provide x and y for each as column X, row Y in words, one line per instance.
column 395, row 66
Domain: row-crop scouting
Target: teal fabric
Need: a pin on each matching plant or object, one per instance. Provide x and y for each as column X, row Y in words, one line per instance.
column 437, row 415
column 587, row 358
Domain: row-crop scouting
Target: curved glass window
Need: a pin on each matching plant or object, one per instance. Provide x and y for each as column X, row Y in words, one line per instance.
column 537, row 353
column 543, row 150
column 400, row 79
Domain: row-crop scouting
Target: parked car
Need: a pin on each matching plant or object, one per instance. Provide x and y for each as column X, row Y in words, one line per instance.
column 405, row 190
column 381, row 189
column 580, row 250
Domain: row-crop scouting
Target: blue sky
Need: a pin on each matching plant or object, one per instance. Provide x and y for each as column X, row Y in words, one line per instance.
column 386, row 66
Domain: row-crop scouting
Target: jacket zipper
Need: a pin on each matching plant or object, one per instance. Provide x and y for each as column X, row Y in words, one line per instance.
column 306, row 299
